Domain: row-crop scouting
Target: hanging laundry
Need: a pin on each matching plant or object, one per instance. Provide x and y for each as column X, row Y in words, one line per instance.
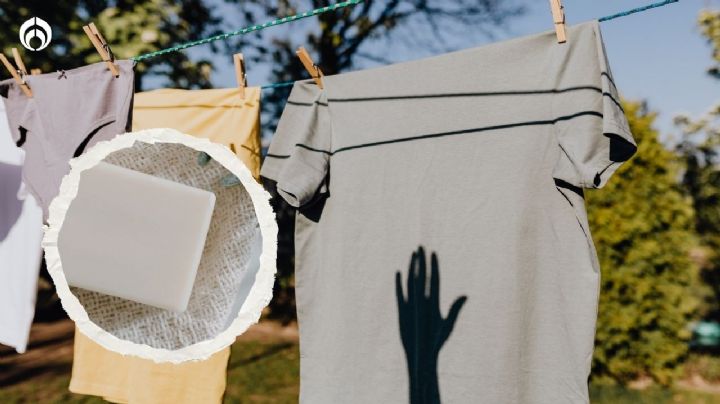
column 223, row 117
column 20, row 231
column 220, row 115
column 126, row 379
column 69, row 112
column 442, row 248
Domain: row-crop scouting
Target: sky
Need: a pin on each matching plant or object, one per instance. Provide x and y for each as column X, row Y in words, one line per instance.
column 657, row 56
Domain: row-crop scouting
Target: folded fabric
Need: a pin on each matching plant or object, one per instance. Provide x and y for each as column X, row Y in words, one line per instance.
column 442, row 248
column 20, row 234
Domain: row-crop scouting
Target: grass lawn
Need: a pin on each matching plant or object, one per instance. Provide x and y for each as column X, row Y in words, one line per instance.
column 257, row 373
column 618, row 395
column 263, row 369
column 263, row 373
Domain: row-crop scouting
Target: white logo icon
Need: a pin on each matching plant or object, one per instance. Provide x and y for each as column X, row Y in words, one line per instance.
column 35, row 28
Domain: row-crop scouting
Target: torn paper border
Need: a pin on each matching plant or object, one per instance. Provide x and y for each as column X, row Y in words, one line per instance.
column 260, row 294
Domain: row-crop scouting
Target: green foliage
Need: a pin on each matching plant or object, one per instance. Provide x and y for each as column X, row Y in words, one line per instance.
column 642, row 225
column 699, row 150
column 263, row 372
column 710, row 27
column 621, row 395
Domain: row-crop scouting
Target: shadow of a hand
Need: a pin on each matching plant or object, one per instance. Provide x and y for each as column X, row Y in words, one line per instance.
column 423, row 329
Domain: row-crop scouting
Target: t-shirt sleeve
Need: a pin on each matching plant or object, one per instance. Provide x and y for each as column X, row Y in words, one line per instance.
column 299, row 153
column 590, row 124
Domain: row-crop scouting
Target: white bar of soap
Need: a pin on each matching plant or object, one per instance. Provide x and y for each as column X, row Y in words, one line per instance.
column 135, row 236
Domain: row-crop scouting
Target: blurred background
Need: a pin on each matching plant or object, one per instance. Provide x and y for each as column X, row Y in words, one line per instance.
column 656, row 225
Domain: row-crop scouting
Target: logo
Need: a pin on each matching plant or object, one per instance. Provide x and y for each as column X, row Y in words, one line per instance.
column 35, row 28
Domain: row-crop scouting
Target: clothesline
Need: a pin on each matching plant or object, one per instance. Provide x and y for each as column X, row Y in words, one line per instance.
column 637, row 10
column 272, row 86
column 249, row 29
column 326, row 9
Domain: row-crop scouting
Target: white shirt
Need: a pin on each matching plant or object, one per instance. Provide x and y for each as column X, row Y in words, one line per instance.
column 20, row 238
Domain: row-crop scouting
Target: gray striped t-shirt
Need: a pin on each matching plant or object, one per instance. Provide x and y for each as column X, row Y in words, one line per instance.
column 442, row 247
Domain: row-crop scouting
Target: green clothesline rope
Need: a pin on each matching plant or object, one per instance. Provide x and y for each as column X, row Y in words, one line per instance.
column 277, row 85
column 250, row 29
column 273, row 86
column 326, row 9
column 637, row 10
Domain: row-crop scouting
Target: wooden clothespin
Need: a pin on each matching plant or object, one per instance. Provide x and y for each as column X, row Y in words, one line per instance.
column 310, row 66
column 102, row 47
column 18, row 61
column 240, row 74
column 558, row 13
column 16, row 72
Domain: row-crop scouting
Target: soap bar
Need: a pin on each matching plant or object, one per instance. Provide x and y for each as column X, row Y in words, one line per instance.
column 135, row 236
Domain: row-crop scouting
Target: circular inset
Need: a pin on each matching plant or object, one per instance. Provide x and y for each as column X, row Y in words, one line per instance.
column 236, row 268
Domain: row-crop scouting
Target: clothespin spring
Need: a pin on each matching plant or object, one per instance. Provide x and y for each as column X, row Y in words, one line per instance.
column 310, row 66
column 22, row 74
column 102, row 47
column 108, row 50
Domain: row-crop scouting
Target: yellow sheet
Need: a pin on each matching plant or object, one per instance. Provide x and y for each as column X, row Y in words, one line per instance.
column 223, row 117
column 127, row 379
column 217, row 114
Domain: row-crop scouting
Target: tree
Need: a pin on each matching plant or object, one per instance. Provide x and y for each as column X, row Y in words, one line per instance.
column 132, row 27
column 699, row 149
column 642, row 225
column 709, row 22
